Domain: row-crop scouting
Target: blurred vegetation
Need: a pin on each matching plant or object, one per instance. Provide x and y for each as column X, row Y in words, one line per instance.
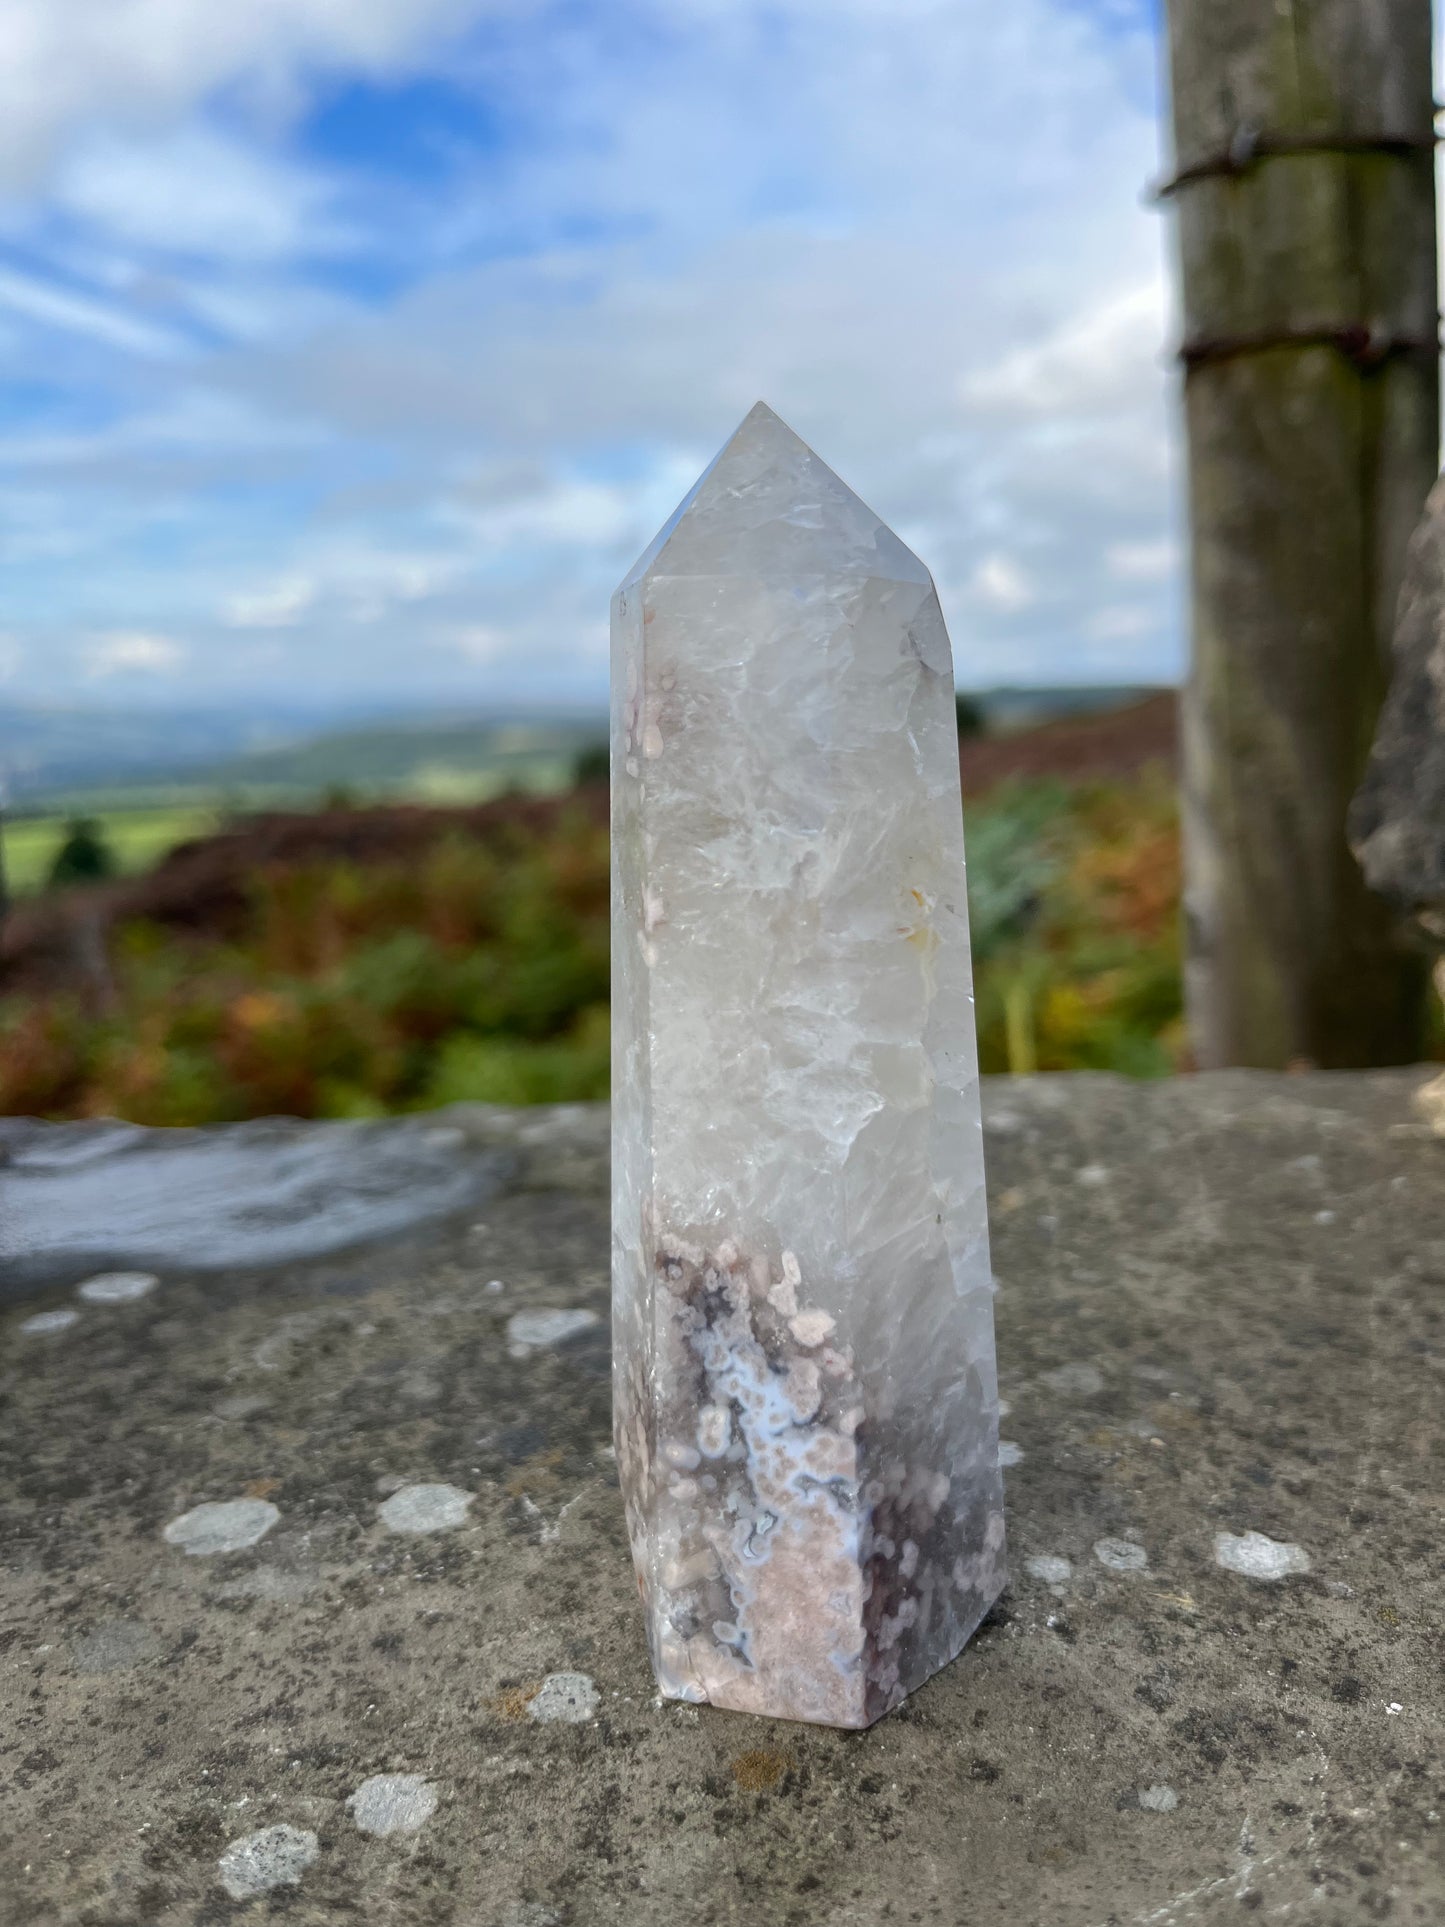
column 84, row 856
column 480, row 971
column 972, row 720
column 136, row 840
column 475, row 971
column 592, row 764
column 1074, row 901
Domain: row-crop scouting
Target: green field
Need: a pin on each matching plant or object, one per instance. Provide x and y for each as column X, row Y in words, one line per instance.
column 466, row 761
column 136, row 838
column 437, row 763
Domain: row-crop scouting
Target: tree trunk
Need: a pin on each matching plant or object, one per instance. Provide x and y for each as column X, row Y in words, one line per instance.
column 1305, row 191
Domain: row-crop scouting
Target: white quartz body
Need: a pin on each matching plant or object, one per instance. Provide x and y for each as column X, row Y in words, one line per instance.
column 806, row 1395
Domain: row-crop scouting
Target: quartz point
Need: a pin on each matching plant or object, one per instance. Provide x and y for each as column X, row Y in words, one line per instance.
column 805, row 1391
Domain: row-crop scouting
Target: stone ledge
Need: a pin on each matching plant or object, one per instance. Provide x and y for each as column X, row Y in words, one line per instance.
column 415, row 1685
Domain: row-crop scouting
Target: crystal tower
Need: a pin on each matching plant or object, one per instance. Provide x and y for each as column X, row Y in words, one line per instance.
column 804, row 1382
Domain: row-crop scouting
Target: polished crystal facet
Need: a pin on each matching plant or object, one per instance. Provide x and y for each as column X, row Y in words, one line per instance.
column 805, row 1392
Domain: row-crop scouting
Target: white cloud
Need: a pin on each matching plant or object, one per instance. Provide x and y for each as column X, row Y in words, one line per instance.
column 1001, row 582
column 1154, row 561
column 1120, row 622
column 823, row 202
column 346, row 581
column 56, row 307
column 477, row 643
column 195, row 191
column 565, row 513
column 82, row 65
column 125, row 650
column 11, row 656
column 1093, row 362
column 279, row 606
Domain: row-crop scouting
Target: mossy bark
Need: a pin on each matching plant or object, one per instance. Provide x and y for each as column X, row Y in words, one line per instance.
column 1312, row 408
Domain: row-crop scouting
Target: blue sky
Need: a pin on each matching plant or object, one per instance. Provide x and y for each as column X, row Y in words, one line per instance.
column 354, row 348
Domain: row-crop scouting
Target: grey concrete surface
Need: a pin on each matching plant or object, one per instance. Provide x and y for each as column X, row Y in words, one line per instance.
column 418, row 1695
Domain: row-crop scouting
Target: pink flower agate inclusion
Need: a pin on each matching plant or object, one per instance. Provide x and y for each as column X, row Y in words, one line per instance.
column 805, row 1392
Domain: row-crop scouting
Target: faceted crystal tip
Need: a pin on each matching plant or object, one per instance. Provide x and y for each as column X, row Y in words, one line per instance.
column 767, row 506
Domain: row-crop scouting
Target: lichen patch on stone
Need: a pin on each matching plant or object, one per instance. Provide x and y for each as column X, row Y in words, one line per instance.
column 1258, row 1557
column 426, row 1508
column 530, row 1331
column 227, row 1525
column 41, row 1323
column 568, row 1699
column 117, row 1287
column 1049, row 1568
column 1121, row 1555
column 274, row 1857
column 393, row 1803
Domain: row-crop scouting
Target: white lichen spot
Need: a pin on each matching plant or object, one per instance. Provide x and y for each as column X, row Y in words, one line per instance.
column 1257, row 1556
column 117, row 1287
column 812, row 1327
column 393, row 1803
column 1009, row 1454
column 1091, row 1175
column 1158, row 1799
column 530, row 1331
column 1121, row 1555
column 426, row 1508
column 1049, row 1568
column 42, row 1322
column 224, row 1525
column 652, row 742
column 274, row 1857
column 652, row 911
column 570, row 1699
